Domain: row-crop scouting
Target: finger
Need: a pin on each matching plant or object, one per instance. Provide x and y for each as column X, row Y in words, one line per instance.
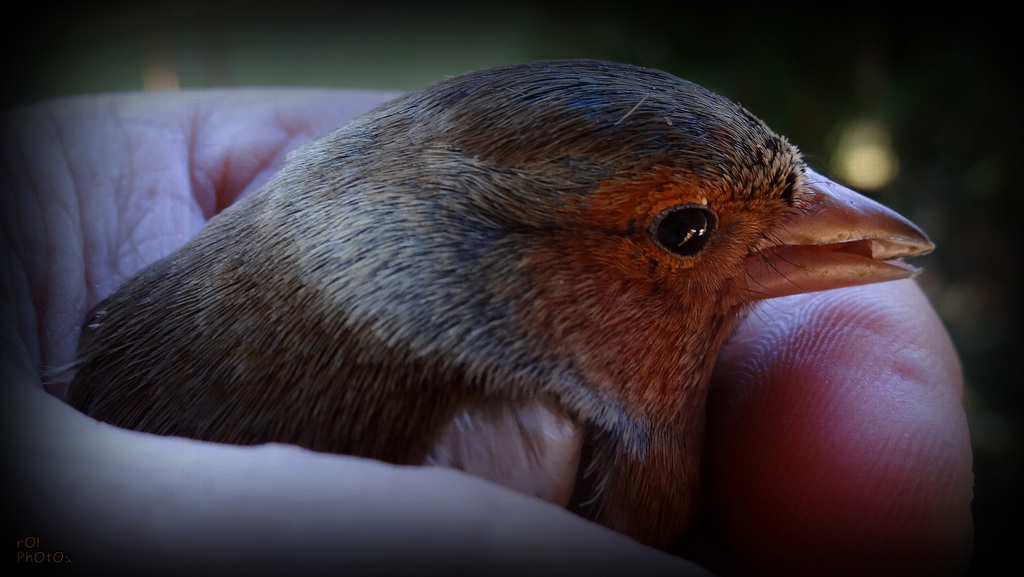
column 532, row 447
column 240, row 138
column 120, row 501
column 837, row 439
column 102, row 186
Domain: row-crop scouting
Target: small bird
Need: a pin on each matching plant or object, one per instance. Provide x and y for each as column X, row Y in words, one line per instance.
column 564, row 242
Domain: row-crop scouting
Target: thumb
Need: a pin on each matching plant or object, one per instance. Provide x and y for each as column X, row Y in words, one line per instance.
column 838, row 443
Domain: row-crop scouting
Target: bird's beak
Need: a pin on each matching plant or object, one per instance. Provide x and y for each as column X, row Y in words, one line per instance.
column 840, row 239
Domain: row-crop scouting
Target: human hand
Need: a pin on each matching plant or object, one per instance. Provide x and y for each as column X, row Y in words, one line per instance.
column 103, row 186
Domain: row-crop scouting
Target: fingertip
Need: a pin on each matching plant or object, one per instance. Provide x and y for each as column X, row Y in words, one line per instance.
column 837, row 438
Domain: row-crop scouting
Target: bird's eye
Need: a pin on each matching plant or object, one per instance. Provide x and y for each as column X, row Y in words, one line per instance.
column 683, row 230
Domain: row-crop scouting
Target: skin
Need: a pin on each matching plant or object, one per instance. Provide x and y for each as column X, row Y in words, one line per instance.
column 146, row 173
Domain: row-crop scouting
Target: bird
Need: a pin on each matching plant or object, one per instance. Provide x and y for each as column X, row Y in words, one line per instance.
column 562, row 241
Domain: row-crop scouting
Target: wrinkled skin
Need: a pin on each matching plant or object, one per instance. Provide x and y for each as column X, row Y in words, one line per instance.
column 818, row 461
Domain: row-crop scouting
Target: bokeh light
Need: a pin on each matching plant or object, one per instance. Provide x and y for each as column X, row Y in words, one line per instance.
column 864, row 155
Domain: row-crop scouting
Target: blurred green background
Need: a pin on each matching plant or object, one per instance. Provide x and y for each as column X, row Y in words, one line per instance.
column 920, row 112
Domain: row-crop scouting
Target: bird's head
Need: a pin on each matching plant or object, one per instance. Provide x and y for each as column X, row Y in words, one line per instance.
column 577, row 220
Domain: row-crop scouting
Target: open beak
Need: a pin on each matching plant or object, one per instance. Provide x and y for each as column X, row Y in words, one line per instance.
column 841, row 239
